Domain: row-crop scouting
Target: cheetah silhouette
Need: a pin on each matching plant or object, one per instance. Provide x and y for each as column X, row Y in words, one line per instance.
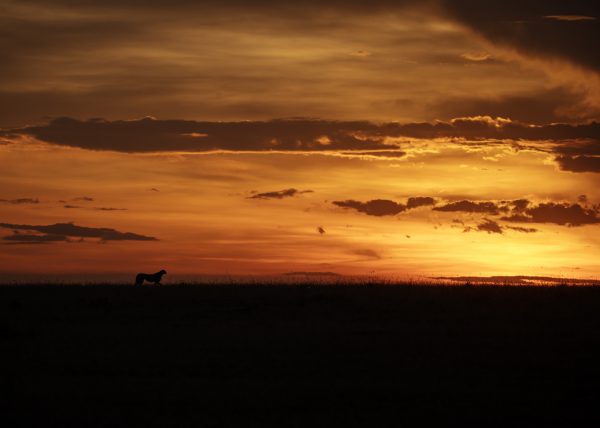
column 154, row 277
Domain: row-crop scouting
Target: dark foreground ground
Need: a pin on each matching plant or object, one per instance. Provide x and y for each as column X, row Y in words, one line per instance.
column 293, row 356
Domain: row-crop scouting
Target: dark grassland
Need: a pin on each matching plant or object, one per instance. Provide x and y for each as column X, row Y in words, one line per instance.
column 298, row 356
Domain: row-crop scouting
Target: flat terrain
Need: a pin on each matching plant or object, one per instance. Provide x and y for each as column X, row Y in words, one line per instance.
column 290, row 356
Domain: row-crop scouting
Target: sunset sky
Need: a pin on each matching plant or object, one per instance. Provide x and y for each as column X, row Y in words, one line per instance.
column 403, row 139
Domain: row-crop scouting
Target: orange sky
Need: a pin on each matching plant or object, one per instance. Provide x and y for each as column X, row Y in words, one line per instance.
column 378, row 178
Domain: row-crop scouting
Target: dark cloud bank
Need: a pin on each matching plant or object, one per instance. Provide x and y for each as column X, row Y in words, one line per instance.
column 150, row 135
column 524, row 26
column 577, row 147
column 517, row 211
column 62, row 231
column 539, row 107
column 579, row 163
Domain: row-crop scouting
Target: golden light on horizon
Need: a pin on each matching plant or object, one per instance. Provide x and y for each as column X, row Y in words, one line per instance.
column 209, row 217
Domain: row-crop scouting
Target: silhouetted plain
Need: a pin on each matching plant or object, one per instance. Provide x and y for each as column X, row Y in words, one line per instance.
column 296, row 356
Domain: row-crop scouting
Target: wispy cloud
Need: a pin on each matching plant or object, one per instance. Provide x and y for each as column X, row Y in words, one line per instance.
column 571, row 17
column 279, row 194
column 109, row 209
column 20, row 201
column 72, row 230
column 368, row 253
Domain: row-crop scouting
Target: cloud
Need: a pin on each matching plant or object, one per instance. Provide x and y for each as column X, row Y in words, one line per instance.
column 521, row 229
column 535, row 28
column 109, row 209
column 280, row 194
column 529, row 26
column 371, row 254
column 392, row 154
column 39, row 35
column 483, row 127
column 587, row 147
column 375, row 207
column 385, row 207
column 578, row 155
column 489, row 226
column 150, row 135
column 557, row 213
column 579, row 163
column 20, row 201
column 542, row 36
column 540, row 106
column 367, row 138
column 476, row 56
column 523, row 211
column 471, row 207
column 72, row 230
column 83, row 199
column 419, row 201
column 571, row 17
column 321, row 230
column 26, row 238
column 519, row 205
column 70, row 206
column 360, row 53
